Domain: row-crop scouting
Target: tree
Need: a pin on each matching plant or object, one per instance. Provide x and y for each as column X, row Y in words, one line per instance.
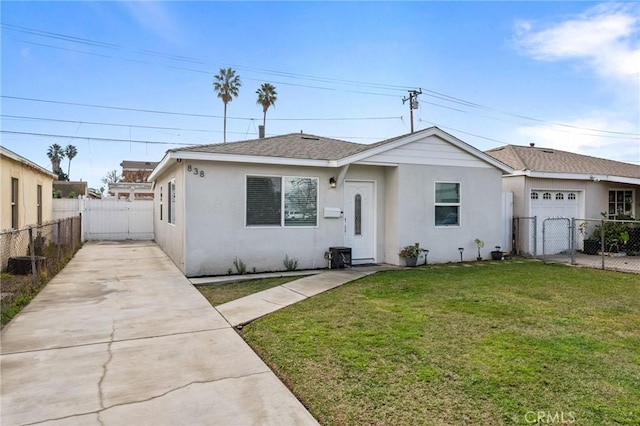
column 55, row 154
column 226, row 84
column 70, row 151
column 111, row 177
column 267, row 96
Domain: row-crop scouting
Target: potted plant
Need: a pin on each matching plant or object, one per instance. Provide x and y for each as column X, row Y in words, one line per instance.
column 496, row 254
column 411, row 254
column 479, row 244
column 591, row 245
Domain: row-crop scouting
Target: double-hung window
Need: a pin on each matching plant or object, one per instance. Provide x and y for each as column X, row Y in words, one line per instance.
column 447, row 204
column 288, row 201
column 620, row 203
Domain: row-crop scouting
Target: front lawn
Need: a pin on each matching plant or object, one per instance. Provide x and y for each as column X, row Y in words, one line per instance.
column 494, row 343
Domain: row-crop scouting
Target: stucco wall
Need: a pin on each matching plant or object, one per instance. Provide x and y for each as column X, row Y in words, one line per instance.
column 480, row 211
column 170, row 237
column 216, row 231
column 28, row 180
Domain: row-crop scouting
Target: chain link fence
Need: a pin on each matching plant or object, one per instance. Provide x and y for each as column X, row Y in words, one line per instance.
column 30, row 257
column 597, row 243
column 607, row 244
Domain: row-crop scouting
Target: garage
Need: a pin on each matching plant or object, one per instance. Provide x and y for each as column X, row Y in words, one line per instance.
column 547, row 203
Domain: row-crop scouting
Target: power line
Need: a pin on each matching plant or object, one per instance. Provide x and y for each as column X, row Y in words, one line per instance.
column 51, row 135
column 431, row 93
column 151, row 111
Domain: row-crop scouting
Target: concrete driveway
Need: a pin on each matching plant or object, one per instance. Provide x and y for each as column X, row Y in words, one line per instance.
column 120, row 337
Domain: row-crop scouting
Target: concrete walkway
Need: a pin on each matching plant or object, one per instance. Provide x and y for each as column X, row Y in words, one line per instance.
column 246, row 309
column 120, row 337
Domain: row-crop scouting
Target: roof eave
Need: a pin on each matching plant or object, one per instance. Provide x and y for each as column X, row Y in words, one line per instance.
column 577, row 176
column 236, row 158
column 20, row 159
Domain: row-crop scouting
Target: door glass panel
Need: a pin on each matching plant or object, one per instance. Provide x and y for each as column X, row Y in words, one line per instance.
column 357, row 215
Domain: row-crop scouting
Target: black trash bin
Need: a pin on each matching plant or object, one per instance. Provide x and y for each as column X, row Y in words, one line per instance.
column 340, row 256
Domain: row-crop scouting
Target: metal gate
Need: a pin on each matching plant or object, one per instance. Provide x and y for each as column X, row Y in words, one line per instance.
column 557, row 239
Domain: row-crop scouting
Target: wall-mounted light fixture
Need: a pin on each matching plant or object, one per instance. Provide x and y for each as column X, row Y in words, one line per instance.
column 332, row 182
column 460, row 249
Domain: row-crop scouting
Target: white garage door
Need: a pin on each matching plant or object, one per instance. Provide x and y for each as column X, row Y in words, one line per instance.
column 552, row 204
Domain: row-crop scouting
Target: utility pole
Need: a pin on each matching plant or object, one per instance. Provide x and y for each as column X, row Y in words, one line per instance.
column 413, row 103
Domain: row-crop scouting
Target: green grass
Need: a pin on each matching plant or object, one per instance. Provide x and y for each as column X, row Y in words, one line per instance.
column 223, row 293
column 491, row 344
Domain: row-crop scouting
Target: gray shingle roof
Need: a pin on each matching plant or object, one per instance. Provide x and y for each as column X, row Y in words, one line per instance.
column 293, row 145
column 555, row 161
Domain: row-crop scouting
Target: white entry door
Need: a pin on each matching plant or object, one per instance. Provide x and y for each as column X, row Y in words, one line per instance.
column 359, row 220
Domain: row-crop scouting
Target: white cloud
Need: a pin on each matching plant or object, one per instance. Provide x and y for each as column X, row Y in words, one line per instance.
column 582, row 141
column 606, row 37
column 154, row 17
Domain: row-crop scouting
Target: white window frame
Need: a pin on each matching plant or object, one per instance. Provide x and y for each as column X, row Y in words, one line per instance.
column 171, row 193
column 283, row 179
column 440, row 204
column 15, row 195
column 39, row 204
column 633, row 201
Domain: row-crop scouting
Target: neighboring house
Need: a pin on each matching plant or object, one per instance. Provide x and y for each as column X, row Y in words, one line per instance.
column 134, row 183
column 550, row 183
column 25, row 193
column 70, row 189
column 299, row 195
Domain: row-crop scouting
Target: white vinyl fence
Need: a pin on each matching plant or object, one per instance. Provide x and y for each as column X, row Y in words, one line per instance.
column 109, row 219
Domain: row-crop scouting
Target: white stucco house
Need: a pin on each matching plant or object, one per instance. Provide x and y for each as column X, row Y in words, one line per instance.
column 297, row 195
column 548, row 183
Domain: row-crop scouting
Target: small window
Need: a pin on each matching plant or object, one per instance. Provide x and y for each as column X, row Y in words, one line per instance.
column 171, row 192
column 39, row 204
column 161, row 203
column 571, row 196
column 534, row 195
column 546, row 196
column 447, row 204
column 14, row 203
column 559, row 196
column 357, row 214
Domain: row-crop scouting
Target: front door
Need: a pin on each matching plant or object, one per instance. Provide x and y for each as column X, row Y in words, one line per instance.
column 359, row 221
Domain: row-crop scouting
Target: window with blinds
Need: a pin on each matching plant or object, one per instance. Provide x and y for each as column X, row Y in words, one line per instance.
column 264, row 205
column 282, row 201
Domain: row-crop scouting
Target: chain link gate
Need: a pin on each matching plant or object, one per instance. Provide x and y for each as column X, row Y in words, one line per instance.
column 557, row 240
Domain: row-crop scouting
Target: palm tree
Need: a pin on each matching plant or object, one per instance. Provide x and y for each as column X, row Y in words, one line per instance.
column 71, row 152
column 267, row 96
column 226, row 85
column 55, row 154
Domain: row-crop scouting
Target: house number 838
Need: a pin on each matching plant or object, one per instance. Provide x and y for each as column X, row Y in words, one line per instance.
column 195, row 171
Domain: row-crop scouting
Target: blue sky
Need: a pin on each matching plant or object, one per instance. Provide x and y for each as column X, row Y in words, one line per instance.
column 564, row 75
